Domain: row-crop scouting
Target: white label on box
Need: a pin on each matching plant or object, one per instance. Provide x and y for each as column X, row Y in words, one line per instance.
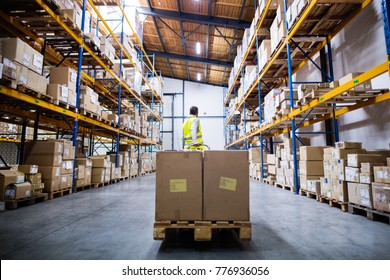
column 58, row 171
column 1, row 70
column 22, row 80
column 64, row 91
column 20, row 179
column 26, row 59
column 68, row 165
column 28, row 193
column 63, row 179
column 38, row 61
column 10, row 193
column 73, row 77
column 34, row 170
column 365, row 197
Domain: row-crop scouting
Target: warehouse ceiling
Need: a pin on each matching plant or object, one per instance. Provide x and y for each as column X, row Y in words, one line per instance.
column 173, row 28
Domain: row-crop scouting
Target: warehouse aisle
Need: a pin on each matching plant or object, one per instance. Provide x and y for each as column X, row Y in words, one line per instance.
column 116, row 222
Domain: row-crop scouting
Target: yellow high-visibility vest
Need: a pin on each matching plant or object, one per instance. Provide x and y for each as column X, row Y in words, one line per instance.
column 187, row 133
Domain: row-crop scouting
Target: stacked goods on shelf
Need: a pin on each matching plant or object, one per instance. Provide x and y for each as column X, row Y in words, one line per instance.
column 33, row 177
column 381, row 185
column 232, row 106
column 248, row 122
column 106, row 48
column 146, row 163
column 8, row 130
column 271, row 161
column 154, row 133
column 133, row 158
column 101, row 169
column 270, row 105
column 278, row 28
column 283, row 102
column 255, row 165
column 55, row 162
column 125, row 166
column 22, row 66
column 294, row 11
column 83, row 172
column 334, row 185
column 13, row 185
column 90, row 100
column 116, row 171
column 311, row 168
column 154, row 163
column 144, row 124
column 264, row 53
column 284, row 162
column 62, row 86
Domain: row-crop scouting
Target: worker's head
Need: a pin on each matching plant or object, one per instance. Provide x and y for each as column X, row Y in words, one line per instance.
column 194, row 110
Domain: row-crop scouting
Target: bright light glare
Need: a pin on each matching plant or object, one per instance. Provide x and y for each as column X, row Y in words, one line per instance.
column 198, row 77
column 198, row 47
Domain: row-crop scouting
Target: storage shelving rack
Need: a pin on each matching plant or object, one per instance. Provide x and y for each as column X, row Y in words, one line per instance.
column 53, row 36
column 274, row 74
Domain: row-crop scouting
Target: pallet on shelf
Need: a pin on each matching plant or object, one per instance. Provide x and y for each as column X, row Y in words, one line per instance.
column 202, row 229
column 285, row 187
column 59, row 193
column 16, row 203
column 371, row 214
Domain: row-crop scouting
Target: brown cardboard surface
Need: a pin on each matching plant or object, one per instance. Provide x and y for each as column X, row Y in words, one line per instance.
column 44, row 147
column 360, row 194
column 84, row 161
column 64, row 76
column 63, row 181
column 226, row 186
column 9, row 177
column 311, row 168
column 311, row 152
column 67, row 167
column 368, row 167
column 340, row 153
column 382, row 174
column 381, row 196
column 355, row 160
column 349, row 145
column 100, row 162
column 339, row 190
column 49, row 172
column 18, row 190
column 303, row 180
column 44, row 160
column 28, row 169
column 52, row 184
column 352, row 174
column 80, row 172
column 179, row 186
column 98, row 175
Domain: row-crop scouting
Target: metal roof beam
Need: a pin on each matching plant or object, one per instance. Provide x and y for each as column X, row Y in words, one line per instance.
column 204, row 19
column 192, row 58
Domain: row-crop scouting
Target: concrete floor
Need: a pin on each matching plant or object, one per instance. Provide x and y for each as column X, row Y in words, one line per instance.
column 116, row 222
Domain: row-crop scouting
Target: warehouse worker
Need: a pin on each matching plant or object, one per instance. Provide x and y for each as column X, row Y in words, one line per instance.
column 192, row 131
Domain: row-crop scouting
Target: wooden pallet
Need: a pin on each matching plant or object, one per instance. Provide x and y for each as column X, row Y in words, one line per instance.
column 309, row 194
column 99, row 185
column 89, row 114
column 64, row 105
column 32, row 92
column 82, row 188
column 202, row 229
column 334, row 203
column 133, row 176
column 371, row 214
column 270, row 182
column 123, row 178
column 284, row 187
column 59, row 193
column 114, row 181
column 16, row 203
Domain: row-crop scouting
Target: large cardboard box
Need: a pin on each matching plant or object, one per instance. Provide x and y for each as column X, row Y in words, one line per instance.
column 98, row 175
column 80, row 172
column 28, row 169
column 362, row 87
column 352, row 174
column 9, row 177
column 360, row 194
column 271, row 158
column 52, row 184
column 45, row 147
column 64, row 76
column 18, row 190
column 368, row 167
column 58, row 92
column 382, row 174
column 49, row 172
column 88, row 176
column 67, row 167
column 84, row 161
column 381, row 196
column 340, row 153
column 45, row 160
column 366, row 178
column 348, row 145
column 226, row 186
column 179, row 186
column 339, row 190
column 303, row 181
column 355, row 160
column 311, row 168
column 14, row 49
column 311, row 153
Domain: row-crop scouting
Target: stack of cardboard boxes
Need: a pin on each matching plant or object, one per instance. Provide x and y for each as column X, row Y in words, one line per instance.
column 101, row 169
column 62, row 85
column 333, row 185
column 22, row 65
column 115, row 172
column 381, row 187
column 55, row 162
column 90, row 100
column 255, row 170
column 83, row 172
column 278, row 27
column 13, row 185
column 33, row 177
column 311, row 168
column 125, row 167
column 271, row 162
column 196, row 186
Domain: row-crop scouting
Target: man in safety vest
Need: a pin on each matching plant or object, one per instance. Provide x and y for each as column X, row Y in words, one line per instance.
column 192, row 131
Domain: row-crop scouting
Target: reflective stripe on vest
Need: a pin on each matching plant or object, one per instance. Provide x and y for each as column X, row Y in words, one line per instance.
column 187, row 133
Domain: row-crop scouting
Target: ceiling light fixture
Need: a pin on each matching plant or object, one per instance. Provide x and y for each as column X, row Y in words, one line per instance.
column 197, row 47
column 198, row 77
